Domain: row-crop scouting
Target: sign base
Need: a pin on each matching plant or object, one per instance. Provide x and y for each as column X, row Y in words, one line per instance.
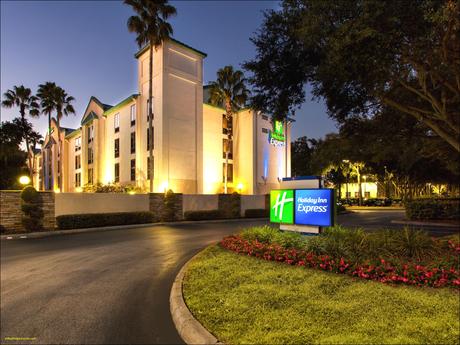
column 314, row 230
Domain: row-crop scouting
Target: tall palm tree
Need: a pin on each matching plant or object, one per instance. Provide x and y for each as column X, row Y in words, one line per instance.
column 229, row 91
column 151, row 26
column 46, row 93
column 63, row 107
column 21, row 97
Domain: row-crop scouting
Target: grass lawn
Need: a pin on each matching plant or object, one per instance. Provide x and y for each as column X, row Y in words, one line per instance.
column 247, row 300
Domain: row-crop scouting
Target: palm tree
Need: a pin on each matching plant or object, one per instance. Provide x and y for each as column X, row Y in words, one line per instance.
column 151, row 26
column 46, row 95
column 27, row 103
column 63, row 107
column 229, row 91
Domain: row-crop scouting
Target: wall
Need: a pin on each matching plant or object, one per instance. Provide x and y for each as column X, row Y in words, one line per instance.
column 73, row 203
column 252, row 202
column 198, row 202
column 353, row 189
column 11, row 214
column 243, row 151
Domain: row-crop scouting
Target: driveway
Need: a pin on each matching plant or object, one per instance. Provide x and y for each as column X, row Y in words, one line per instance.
column 108, row 287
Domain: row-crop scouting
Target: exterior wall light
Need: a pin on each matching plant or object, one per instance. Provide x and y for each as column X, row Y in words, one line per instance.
column 240, row 187
column 79, row 189
column 131, row 192
column 24, row 180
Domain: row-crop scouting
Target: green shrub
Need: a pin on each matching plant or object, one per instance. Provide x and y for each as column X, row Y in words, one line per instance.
column 168, row 214
column 264, row 234
column 32, row 218
column 290, row 239
column 93, row 220
column 423, row 209
column 204, row 215
column 256, row 213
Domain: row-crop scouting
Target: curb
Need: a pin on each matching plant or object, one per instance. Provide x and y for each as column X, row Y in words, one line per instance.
column 190, row 330
column 409, row 222
column 117, row 227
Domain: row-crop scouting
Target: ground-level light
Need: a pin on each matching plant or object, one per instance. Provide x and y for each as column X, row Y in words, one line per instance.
column 24, row 180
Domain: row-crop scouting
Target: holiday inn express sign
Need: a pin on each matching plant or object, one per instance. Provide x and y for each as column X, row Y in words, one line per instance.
column 314, row 207
column 276, row 136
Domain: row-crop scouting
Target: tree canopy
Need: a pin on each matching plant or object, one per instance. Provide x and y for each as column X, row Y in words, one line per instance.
column 362, row 56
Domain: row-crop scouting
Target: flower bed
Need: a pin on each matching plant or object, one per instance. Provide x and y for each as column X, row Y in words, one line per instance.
column 439, row 273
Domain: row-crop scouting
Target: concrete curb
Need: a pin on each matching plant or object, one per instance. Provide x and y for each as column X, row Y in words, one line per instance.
column 117, row 227
column 189, row 329
column 410, row 222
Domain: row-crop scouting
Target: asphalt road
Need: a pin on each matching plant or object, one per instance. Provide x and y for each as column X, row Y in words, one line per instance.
column 108, row 287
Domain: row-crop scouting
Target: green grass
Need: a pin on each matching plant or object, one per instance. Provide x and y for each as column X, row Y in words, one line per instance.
column 247, row 300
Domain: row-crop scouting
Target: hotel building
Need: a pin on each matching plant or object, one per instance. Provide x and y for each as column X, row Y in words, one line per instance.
column 189, row 141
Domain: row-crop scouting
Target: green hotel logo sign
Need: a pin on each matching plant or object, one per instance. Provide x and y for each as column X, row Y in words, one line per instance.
column 282, row 206
column 276, row 137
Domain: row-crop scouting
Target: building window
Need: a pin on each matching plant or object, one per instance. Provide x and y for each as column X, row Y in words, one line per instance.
column 133, row 115
column 77, row 144
column 227, row 145
column 117, row 172
column 227, row 126
column 150, row 142
column 90, row 132
column 117, row 148
column 133, row 170
column 148, row 167
column 90, row 176
column 147, row 111
column 116, row 122
column 78, row 180
column 356, row 194
column 90, row 155
column 367, row 195
column 264, row 117
column 133, row 142
column 229, row 172
column 77, row 162
column 264, row 130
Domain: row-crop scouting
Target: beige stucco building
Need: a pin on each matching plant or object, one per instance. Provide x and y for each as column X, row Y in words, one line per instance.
column 188, row 141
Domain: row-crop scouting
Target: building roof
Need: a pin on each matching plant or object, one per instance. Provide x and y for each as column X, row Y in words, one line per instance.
column 73, row 133
column 142, row 50
column 121, row 104
column 88, row 118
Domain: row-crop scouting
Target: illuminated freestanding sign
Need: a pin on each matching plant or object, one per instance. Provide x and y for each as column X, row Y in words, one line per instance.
column 313, row 207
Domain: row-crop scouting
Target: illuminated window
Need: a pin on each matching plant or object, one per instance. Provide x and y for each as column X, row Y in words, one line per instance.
column 133, row 142
column 229, row 172
column 117, row 148
column 78, row 144
column 77, row 162
column 133, row 170
column 90, row 176
column 116, row 122
column 78, row 180
column 227, row 127
column 227, row 146
column 133, row 115
column 117, row 172
column 367, row 195
column 150, row 142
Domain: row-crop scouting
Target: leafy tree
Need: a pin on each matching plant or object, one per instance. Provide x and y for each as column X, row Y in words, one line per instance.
column 152, row 29
column 22, row 98
column 12, row 158
column 301, row 152
column 229, row 91
column 46, row 94
column 361, row 56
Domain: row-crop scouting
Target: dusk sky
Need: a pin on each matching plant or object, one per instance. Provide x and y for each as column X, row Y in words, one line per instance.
column 85, row 47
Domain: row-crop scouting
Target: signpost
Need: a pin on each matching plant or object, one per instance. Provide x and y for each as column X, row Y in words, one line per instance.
column 300, row 209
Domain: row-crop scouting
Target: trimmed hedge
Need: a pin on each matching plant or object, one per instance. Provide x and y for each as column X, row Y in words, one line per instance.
column 433, row 209
column 256, row 213
column 93, row 220
column 204, row 215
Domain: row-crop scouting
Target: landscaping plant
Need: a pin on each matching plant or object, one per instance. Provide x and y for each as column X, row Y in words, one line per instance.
column 32, row 218
column 407, row 256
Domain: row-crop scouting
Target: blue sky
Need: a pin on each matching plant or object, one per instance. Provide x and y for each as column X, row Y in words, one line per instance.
column 84, row 47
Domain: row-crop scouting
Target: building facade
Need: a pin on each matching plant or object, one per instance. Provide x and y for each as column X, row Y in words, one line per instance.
column 189, row 142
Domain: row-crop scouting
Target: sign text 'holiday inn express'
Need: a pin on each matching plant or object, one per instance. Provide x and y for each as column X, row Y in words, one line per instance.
column 302, row 206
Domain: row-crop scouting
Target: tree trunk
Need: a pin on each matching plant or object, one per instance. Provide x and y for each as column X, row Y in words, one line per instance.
column 49, row 152
column 150, row 167
column 26, row 139
column 360, row 192
column 59, row 152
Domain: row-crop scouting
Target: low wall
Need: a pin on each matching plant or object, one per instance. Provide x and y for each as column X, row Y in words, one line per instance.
column 200, row 202
column 11, row 213
column 77, row 203
column 251, row 202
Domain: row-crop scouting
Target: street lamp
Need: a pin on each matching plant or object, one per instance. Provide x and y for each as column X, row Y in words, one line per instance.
column 24, row 180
